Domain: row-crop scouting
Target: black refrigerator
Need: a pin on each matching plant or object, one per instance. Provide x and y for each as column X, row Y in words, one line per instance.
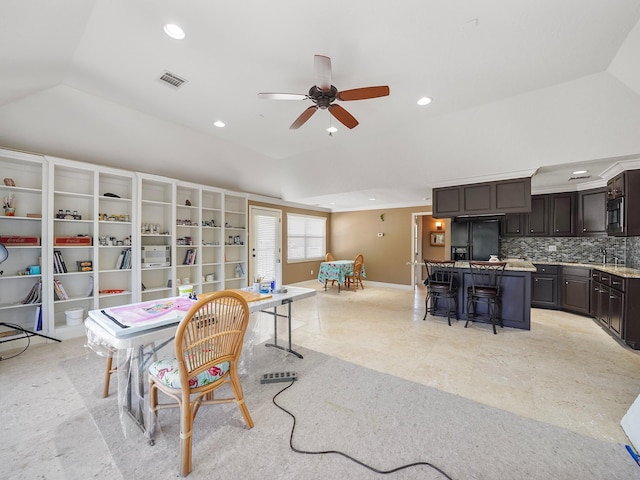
column 475, row 239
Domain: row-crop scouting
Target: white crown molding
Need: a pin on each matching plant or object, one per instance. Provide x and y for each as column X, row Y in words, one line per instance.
column 285, row 203
column 492, row 177
column 619, row 167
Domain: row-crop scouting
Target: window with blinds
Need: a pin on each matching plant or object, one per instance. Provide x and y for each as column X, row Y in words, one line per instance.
column 306, row 237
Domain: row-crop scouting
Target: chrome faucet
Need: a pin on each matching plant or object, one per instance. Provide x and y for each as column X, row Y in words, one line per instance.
column 604, row 255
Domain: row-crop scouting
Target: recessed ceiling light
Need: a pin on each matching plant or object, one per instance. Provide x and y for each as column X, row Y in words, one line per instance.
column 174, row 31
column 372, row 199
column 218, row 124
column 332, row 129
column 579, row 172
column 424, row 101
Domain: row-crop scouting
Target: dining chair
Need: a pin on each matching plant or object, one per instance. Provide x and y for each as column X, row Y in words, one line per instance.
column 329, row 258
column 355, row 276
column 108, row 372
column 208, row 344
column 486, row 287
column 441, row 282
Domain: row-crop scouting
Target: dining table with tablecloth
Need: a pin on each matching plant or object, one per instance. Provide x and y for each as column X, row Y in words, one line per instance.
column 336, row 270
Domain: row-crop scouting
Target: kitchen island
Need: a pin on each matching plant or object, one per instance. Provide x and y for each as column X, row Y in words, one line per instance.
column 516, row 293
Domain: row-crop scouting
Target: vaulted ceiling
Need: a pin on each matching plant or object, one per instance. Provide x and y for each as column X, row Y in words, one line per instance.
column 519, row 88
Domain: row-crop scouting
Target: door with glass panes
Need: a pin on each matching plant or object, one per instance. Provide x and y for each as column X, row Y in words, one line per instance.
column 266, row 244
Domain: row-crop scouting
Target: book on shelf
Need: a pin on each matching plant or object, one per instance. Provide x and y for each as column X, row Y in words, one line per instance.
column 190, row 257
column 58, row 262
column 124, row 260
column 119, row 260
column 37, row 321
column 126, row 263
column 89, row 286
column 35, row 294
column 59, row 290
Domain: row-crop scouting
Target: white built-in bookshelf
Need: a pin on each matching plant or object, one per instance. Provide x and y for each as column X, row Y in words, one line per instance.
column 111, row 237
column 28, row 227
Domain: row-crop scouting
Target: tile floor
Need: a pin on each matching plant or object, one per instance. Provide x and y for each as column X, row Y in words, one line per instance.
column 565, row 371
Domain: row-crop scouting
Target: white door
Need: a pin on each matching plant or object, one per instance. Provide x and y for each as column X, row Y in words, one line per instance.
column 266, row 243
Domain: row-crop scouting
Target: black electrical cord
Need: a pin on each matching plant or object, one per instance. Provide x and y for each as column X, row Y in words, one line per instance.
column 415, row 464
column 26, row 335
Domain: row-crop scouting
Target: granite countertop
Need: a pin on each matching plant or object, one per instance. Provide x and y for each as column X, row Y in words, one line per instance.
column 611, row 268
column 514, row 265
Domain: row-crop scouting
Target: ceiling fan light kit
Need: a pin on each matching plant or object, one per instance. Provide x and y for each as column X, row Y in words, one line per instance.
column 323, row 94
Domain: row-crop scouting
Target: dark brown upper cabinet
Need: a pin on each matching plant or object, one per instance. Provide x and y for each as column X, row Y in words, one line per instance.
column 616, row 187
column 563, row 214
column 533, row 224
column 627, row 186
column 488, row 198
column 592, row 212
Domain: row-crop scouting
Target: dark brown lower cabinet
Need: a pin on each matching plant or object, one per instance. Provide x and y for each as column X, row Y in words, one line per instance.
column 544, row 286
column 613, row 301
column 576, row 289
column 607, row 302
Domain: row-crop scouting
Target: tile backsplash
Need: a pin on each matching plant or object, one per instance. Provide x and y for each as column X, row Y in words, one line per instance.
column 573, row 249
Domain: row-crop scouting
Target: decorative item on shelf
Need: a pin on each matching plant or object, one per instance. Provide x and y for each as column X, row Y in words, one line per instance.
column 9, row 204
column 438, row 225
column 78, row 241
column 187, row 203
column 84, row 265
column 9, row 182
column 20, row 241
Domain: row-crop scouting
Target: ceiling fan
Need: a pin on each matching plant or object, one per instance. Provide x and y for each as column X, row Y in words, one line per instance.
column 323, row 94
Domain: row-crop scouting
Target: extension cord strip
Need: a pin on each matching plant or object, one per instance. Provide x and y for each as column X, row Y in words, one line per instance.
column 279, row 377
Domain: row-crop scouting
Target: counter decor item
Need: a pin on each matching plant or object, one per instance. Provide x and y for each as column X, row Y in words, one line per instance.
column 493, row 258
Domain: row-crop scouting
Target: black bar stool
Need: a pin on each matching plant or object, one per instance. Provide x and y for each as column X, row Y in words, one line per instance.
column 441, row 282
column 486, row 287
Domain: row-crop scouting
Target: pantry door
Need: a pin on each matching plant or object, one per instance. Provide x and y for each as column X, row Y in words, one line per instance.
column 265, row 243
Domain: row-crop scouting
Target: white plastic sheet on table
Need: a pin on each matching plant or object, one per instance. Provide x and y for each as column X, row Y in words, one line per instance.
column 132, row 356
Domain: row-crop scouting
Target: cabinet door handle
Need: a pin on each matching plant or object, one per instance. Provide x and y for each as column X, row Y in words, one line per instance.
column 616, row 283
column 611, row 296
column 566, row 283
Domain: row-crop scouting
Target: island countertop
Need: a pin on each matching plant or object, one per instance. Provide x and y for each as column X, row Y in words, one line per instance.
column 513, row 265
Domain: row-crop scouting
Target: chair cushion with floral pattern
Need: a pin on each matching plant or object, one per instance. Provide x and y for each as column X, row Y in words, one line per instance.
column 166, row 370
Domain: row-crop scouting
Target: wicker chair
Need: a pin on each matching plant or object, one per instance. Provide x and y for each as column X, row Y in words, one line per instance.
column 208, row 344
column 107, row 374
column 355, row 277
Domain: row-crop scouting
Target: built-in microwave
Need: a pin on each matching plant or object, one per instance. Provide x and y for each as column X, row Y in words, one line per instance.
column 615, row 215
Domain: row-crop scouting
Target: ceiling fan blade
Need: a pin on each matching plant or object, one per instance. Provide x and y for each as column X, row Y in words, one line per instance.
column 282, row 96
column 306, row 115
column 343, row 116
column 363, row 93
column 322, row 66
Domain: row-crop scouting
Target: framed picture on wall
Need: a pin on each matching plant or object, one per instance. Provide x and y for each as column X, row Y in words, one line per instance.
column 437, row 239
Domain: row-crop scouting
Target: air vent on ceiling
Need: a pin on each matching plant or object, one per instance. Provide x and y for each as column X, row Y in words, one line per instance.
column 583, row 177
column 172, row 79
